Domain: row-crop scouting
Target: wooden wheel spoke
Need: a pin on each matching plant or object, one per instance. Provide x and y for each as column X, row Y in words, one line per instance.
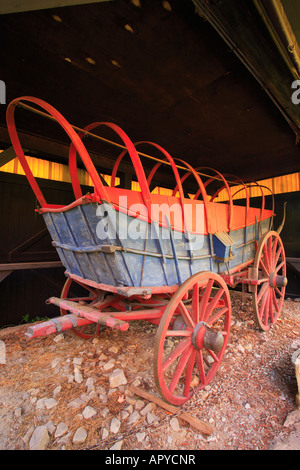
column 269, row 248
column 263, row 302
column 200, row 366
column 280, row 293
column 273, row 253
column 213, row 303
column 205, row 298
column 189, row 372
column 179, row 349
column 275, row 301
column 262, row 291
column 271, row 315
column 279, row 267
column 213, row 355
column 267, row 272
column 186, row 315
column 216, row 316
column 180, row 367
column 179, row 333
column 265, row 311
column 277, row 257
column 195, row 303
column 266, row 259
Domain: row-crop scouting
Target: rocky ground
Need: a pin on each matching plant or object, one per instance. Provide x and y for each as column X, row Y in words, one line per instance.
column 63, row 392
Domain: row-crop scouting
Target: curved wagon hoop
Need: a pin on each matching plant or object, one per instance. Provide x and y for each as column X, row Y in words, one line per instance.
column 75, row 139
column 124, row 264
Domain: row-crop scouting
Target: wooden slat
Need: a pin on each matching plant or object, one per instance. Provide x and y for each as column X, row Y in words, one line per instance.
column 201, row 426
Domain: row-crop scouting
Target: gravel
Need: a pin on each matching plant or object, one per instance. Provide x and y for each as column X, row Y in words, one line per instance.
column 63, row 392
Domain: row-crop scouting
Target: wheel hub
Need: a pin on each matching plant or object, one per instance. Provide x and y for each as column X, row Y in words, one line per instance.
column 277, row 281
column 205, row 337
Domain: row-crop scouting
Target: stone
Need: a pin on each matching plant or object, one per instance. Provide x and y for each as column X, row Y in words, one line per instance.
column 174, row 423
column 39, row 439
column 89, row 412
column 18, row 412
column 129, row 409
column 61, row 429
column 109, row 365
column 292, row 419
column 140, row 436
column 80, row 436
column 78, row 376
column 90, row 384
column 84, row 397
column 40, row 404
column 117, row 446
column 113, row 349
column 139, row 405
column 105, row 433
column 50, row 426
column 151, row 417
column 64, row 439
column 76, row 403
column 148, row 408
column 124, row 414
column 133, row 418
column 50, row 403
column 57, row 390
column 115, row 425
column 2, row 353
column 117, row 378
column 55, row 362
column 27, row 436
column 77, row 361
column 105, row 412
column 58, row 338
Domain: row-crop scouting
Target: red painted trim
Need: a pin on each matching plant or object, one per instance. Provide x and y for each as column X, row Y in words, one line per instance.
column 218, row 211
column 75, row 139
column 116, row 290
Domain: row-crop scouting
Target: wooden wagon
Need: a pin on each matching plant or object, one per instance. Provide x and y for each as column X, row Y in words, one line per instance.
column 134, row 255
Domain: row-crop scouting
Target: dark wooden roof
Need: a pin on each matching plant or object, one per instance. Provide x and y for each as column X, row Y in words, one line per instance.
column 161, row 75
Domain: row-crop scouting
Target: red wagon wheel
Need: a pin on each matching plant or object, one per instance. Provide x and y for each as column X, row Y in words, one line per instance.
column 270, row 263
column 192, row 336
column 84, row 295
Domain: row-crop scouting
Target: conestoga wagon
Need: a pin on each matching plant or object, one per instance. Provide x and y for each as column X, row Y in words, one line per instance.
column 135, row 255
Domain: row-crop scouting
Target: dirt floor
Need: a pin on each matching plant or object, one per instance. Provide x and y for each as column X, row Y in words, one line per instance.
column 55, row 391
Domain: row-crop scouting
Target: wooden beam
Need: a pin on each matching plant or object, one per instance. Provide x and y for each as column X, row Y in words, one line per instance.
column 18, row 6
column 33, row 265
column 201, row 426
column 42, row 147
column 47, row 148
column 7, row 155
column 4, row 274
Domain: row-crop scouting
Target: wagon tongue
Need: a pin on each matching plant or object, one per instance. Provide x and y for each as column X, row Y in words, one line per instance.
column 80, row 315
